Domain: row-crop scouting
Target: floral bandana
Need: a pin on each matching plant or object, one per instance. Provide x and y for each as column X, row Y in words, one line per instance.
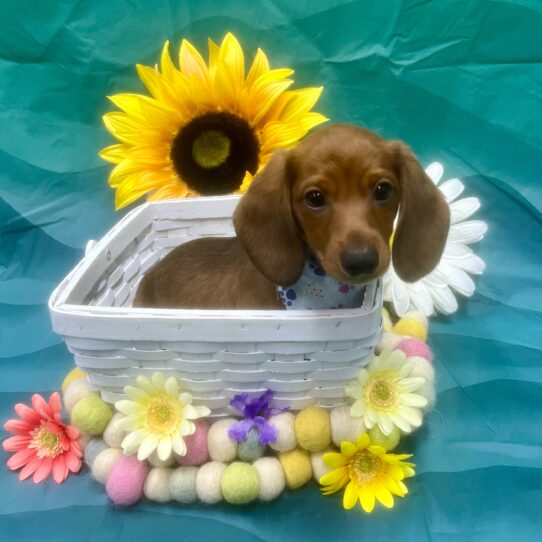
column 315, row 290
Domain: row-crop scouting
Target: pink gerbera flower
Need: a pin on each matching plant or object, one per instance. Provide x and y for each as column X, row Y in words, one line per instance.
column 42, row 443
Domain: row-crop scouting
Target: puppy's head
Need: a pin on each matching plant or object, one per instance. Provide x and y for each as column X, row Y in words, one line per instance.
column 337, row 194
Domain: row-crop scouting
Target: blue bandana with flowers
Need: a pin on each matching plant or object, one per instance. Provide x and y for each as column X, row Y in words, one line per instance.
column 316, row 290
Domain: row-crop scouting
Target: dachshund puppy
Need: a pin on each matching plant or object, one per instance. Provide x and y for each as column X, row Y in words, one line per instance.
column 335, row 196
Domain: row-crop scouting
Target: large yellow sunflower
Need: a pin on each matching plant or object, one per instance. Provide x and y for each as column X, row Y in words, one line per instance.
column 208, row 128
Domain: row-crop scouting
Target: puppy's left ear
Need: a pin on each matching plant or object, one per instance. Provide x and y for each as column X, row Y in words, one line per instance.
column 424, row 219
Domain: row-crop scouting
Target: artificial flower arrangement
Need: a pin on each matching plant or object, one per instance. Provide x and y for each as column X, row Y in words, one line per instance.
column 158, row 445
column 206, row 128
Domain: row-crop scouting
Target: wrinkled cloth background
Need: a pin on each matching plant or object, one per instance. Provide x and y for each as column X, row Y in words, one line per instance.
column 460, row 81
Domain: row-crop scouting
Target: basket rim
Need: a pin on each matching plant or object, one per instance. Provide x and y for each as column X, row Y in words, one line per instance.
column 63, row 313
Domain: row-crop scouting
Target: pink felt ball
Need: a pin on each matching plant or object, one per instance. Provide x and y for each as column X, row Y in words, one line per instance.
column 415, row 347
column 125, row 482
column 197, row 452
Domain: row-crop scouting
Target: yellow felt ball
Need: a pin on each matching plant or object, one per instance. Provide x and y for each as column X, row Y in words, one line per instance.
column 240, row 483
column 411, row 328
column 91, row 415
column 297, row 467
column 312, row 429
column 418, row 316
column 74, row 374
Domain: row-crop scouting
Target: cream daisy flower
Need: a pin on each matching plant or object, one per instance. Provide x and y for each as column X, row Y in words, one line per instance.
column 435, row 292
column 384, row 394
column 157, row 417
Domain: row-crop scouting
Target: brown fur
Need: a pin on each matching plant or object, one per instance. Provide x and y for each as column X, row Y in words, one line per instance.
column 275, row 226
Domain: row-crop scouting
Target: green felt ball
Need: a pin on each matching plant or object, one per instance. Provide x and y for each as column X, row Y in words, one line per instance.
column 386, row 441
column 240, row 483
column 250, row 449
column 91, row 415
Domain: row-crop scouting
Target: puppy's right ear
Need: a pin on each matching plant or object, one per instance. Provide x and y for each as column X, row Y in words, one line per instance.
column 265, row 226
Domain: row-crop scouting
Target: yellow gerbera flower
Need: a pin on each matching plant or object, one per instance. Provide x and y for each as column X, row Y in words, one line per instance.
column 208, row 128
column 368, row 472
column 384, row 395
column 158, row 416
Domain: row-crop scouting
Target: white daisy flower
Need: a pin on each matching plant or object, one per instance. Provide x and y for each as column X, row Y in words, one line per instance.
column 435, row 292
column 386, row 394
column 157, row 417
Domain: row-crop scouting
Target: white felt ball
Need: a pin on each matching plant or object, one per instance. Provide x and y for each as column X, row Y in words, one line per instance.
column 104, row 462
column 92, row 449
column 286, row 440
column 113, row 435
column 208, row 482
column 271, row 478
column 75, row 391
column 388, row 342
column 155, row 461
column 344, row 426
column 421, row 367
column 156, row 486
column 182, row 485
column 428, row 391
column 319, row 468
column 221, row 446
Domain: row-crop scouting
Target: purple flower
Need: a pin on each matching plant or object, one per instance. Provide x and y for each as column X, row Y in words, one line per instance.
column 256, row 411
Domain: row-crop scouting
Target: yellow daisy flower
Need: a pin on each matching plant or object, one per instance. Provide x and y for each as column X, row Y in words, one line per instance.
column 368, row 472
column 207, row 127
column 384, row 394
column 157, row 417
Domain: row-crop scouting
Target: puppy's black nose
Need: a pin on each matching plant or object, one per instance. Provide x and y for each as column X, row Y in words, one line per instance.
column 359, row 261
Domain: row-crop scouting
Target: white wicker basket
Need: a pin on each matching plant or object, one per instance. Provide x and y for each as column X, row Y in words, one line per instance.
column 305, row 357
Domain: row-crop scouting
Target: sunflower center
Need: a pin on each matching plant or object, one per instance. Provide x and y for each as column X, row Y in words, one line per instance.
column 365, row 467
column 46, row 442
column 382, row 392
column 211, row 149
column 161, row 416
column 213, row 152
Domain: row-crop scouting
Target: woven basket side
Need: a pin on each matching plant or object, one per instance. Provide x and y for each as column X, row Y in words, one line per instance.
column 119, row 282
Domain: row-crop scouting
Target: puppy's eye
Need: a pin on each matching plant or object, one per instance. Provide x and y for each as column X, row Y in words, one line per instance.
column 315, row 199
column 383, row 191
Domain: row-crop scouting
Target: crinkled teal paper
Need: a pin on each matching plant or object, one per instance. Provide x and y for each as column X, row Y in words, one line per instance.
column 460, row 81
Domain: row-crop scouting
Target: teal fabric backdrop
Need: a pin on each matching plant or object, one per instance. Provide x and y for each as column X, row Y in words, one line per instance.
column 460, row 81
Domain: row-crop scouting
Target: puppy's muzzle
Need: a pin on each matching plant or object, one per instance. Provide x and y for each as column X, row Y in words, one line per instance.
column 359, row 261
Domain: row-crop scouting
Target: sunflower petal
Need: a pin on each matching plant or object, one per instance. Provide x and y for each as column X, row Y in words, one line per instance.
column 259, row 67
column 334, row 460
column 301, row 102
column 350, row 496
column 367, row 500
column 384, row 496
column 348, row 448
column 191, row 62
column 363, row 441
column 333, row 477
column 114, row 153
